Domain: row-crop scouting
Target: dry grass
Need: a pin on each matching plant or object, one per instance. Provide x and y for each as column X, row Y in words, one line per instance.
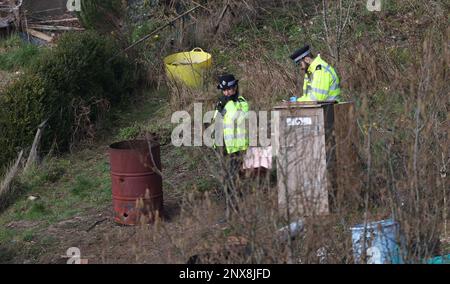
column 8, row 190
column 402, row 111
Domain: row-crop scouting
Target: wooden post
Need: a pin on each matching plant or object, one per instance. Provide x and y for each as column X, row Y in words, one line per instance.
column 33, row 152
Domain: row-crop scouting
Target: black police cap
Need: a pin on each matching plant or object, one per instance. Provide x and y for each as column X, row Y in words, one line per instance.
column 227, row 81
column 300, row 53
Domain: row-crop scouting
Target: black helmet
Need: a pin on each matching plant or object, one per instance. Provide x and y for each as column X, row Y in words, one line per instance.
column 227, row 81
column 300, row 54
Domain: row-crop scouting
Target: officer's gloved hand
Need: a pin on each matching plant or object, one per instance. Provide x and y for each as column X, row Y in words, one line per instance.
column 293, row 99
column 219, row 106
column 221, row 103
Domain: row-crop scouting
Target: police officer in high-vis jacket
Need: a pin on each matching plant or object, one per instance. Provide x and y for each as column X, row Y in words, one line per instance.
column 233, row 110
column 321, row 81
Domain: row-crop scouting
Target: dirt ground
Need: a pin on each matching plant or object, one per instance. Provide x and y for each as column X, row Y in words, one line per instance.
column 106, row 242
column 101, row 240
column 98, row 237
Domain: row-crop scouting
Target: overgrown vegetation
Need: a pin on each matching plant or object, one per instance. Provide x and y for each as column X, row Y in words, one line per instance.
column 402, row 118
column 71, row 86
column 393, row 65
column 103, row 16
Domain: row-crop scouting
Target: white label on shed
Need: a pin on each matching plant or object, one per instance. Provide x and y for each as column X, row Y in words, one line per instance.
column 294, row 121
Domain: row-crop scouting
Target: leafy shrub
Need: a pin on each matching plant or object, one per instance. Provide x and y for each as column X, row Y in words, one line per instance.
column 130, row 133
column 71, row 85
column 81, row 66
column 22, row 110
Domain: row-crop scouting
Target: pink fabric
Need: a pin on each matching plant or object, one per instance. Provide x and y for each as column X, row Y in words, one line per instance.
column 258, row 157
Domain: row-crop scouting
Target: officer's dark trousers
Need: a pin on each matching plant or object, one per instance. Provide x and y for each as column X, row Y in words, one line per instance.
column 233, row 164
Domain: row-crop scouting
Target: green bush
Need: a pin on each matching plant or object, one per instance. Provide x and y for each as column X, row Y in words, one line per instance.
column 80, row 66
column 22, row 109
column 71, row 85
column 130, row 133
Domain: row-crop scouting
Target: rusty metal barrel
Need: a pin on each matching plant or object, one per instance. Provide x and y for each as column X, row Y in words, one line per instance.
column 136, row 181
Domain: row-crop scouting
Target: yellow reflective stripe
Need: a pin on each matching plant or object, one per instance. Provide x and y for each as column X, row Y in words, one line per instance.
column 312, row 97
column 228, row 134
column 317, row 87
column 233, row 136
column 228, row 126
column 320, row 91
column 334, row 87
column 328, row 69
column 335, row 83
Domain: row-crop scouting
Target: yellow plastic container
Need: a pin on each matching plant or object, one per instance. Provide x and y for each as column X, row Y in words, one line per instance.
column 188, row 67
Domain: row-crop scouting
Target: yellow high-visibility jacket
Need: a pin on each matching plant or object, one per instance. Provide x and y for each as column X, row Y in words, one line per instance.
column 321, row 83
column 234, row 129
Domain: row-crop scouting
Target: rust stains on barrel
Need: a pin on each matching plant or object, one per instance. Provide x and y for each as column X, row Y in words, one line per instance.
column 136, row 181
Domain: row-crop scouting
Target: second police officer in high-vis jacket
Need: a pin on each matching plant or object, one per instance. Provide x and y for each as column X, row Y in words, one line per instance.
column 321, row 82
